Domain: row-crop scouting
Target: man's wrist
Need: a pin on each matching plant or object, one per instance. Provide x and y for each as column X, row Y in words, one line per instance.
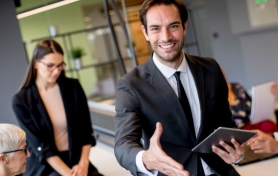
column 141, row 168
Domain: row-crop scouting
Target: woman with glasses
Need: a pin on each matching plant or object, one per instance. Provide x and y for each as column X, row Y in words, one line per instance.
column 13, row 150
column 53, row 111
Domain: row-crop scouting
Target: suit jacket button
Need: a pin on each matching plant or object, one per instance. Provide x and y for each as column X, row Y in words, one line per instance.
column 39, row 149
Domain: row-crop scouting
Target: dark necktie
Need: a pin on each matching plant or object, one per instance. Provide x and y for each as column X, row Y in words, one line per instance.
column 184, row 103
column 187, row 110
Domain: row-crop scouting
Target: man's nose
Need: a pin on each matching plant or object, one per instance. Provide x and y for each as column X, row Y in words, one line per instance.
column 166, row 35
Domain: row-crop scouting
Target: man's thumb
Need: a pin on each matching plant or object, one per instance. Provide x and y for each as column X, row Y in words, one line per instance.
column 157, row 133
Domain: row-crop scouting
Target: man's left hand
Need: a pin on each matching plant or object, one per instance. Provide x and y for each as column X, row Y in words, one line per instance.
column 232, row 154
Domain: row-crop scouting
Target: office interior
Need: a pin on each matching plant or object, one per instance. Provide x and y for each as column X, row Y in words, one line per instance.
column 242, row 35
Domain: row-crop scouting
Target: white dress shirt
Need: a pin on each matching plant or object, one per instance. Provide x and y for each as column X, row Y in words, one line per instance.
column 189, row 85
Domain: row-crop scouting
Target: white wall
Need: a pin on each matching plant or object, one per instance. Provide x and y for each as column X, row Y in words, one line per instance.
column 248, row 55
column 225, row 47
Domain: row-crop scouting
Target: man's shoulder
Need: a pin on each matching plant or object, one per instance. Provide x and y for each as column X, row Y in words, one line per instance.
column 204, row 61
column 136, row 73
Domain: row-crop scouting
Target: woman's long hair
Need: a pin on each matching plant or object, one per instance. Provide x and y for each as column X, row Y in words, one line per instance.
column 42, row 48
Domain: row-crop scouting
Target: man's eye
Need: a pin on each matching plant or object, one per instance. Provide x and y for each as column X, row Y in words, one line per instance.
column 154, row 29
column 174, row 26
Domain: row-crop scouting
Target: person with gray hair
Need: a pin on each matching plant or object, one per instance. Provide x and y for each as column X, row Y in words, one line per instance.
column 13, row 150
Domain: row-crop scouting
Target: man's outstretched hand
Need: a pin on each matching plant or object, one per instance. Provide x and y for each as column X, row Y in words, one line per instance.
column 156, row 159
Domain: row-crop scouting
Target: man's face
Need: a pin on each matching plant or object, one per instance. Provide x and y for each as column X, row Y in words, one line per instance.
column 165, row 32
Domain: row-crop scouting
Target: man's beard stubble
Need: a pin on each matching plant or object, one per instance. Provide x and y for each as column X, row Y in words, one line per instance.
column 175, row 57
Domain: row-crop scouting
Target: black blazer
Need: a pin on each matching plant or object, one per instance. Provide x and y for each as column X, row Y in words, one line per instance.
column 144, row 97
column 34, row 120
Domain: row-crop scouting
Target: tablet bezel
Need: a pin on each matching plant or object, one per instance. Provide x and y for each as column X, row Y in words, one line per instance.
column 224, row 134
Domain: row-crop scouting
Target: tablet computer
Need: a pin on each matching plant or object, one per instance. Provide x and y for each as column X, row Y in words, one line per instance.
column 223, row 134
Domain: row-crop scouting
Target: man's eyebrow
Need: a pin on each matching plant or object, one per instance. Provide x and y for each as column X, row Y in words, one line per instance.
column 175, row 22
column 156, row 25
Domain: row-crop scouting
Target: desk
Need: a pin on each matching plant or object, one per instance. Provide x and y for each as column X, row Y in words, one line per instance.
column 267, row 167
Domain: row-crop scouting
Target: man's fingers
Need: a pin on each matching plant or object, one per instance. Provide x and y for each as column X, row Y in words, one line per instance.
column 231, row 155
column 169, row 170
column 238, row 148
column 222, row 154
column 170, row 162
column 156, row 158
column 227, row 147
column 236, row 144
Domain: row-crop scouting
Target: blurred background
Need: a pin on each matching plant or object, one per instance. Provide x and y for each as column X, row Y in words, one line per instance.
column 242, row 35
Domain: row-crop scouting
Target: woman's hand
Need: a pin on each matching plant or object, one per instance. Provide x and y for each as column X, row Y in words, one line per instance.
column 263, row 143
column 81, row 169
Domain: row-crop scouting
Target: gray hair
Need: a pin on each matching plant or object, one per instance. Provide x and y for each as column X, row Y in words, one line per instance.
column 11, row 136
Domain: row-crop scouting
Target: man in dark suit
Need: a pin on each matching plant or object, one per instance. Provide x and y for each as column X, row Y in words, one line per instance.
column 184, row 94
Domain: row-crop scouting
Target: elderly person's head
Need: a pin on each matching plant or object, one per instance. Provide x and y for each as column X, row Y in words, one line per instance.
column 13, row 150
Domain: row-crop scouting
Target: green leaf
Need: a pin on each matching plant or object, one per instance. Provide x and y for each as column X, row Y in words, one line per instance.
column 77, row 52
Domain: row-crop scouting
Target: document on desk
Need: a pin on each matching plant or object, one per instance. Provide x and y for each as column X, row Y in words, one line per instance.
column 263, row 102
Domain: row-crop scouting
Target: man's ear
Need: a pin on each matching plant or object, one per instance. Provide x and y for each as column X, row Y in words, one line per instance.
column 144, row 32
column 4, row 159
column 184, row 30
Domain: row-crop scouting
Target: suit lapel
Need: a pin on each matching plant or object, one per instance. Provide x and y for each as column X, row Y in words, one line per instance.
column 65, row 94
column 43, row 116
column 158, row 81
column 198, row 75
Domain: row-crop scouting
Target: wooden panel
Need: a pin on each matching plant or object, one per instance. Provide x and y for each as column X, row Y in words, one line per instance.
column 133, row 2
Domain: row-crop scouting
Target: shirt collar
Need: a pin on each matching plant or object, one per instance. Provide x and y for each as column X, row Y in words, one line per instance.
column 168, row 71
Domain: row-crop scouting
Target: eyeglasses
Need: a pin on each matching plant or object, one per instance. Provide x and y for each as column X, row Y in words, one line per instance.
column 23, row 149
column 52, row 67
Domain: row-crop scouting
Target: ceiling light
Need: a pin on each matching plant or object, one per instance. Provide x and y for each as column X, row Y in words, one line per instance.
column 45, row 8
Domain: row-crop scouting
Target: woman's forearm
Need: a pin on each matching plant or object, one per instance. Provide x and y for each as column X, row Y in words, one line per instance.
column 58, row 165
column 85, row 154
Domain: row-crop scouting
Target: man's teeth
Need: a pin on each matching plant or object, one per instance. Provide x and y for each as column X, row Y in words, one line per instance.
column 166, row 46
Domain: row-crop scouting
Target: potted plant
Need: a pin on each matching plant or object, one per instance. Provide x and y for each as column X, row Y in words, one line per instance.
column 77, row 54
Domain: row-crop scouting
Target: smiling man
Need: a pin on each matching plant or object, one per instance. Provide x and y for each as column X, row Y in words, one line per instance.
column 172, row 102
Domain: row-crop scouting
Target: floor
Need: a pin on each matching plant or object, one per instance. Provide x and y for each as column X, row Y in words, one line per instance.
column 102, row 156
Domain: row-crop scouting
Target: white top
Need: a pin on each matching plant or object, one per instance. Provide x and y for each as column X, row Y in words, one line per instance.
column 54, row 105
column 189, row 85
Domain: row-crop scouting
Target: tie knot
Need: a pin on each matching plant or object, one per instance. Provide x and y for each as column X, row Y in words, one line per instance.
column 177, row 75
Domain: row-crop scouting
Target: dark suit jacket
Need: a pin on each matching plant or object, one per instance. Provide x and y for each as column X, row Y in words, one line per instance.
column 34, row 120
column 144, row 97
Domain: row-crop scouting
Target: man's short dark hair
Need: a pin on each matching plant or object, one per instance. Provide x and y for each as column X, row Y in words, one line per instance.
column 150, row 3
